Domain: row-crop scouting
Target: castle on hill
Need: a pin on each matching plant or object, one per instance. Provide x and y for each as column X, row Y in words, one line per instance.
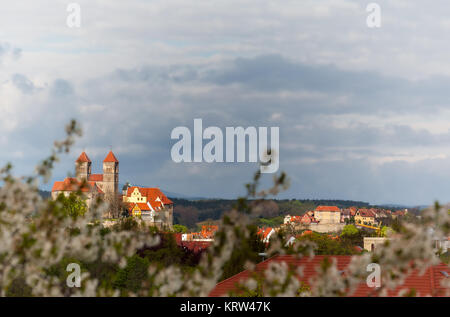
column 148, row 203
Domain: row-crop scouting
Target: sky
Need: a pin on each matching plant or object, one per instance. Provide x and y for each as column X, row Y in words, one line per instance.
column 364, row 113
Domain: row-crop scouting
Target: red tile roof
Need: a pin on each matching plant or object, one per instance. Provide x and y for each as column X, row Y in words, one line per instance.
column 366, row 213
column 83, row 158
column 96, row 177
column 264, row 232
column 71, row 184
column 110, row 158
column 208, row 231
column 142, row 206
column 152, row 195
column 327, row 208
column 424, row 285
column 296, row 218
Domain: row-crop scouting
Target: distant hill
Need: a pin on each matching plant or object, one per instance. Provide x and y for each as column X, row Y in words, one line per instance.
column 189, row 212
column 45, row 193
column 169, row 194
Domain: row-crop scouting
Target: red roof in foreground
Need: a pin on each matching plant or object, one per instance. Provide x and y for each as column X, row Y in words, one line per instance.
column 427, row 284
column 110, row 158
column 83, row 158
column 327, row 208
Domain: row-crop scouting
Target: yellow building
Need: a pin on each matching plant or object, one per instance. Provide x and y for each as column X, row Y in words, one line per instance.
column 365, row 217
column 150, row 204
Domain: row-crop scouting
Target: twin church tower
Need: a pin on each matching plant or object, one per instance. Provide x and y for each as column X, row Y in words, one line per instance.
column 106, row 184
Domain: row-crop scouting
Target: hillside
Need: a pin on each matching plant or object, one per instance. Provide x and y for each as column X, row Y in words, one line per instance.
column 191, row 212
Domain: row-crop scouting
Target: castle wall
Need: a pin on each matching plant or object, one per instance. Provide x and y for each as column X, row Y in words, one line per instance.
column 320, row 227
column 371, row 243
column 328, row 216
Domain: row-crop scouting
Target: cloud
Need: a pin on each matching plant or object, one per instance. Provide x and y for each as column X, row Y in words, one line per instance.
column 363, row 113
column 23, row 83
column 9, row 51
column 61, row 87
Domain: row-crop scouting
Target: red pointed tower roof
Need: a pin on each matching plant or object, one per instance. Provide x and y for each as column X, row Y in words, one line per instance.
column 110, row 158
column 83, row 158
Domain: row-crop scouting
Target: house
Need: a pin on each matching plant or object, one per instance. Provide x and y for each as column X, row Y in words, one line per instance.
column 150, row 204
column 307, row 219
column 381, row 214
column 442, row 244
column 327, row 214
column 291, row 219
column 206, row 234
column 365, row 217
column 208, row 231
column 191, row 245
column 399, row 213
column 426, row 284
column 345, row 214
column 265, row 234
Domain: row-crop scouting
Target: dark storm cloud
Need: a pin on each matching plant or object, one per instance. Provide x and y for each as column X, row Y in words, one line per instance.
column 274, row 72
column 134, row 110
column 369, row 92
column 363, row 136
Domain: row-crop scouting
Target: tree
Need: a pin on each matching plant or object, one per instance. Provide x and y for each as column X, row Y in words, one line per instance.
column 349, row 230
column 116, row 207
column 324, row 245
column 386, row 231
column 72, row 205
column 248, row 250
column 180, row 229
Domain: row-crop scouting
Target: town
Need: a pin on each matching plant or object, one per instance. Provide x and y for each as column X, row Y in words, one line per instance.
column 335, row 231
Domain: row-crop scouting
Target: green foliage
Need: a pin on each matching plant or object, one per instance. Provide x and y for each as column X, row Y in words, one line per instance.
column 126, row 224
column 180, row 229
column 190, row 212
column 248, row 250
column 385, row 231
column 18, row 288
column 131, row 277
column 168, row 252
column 72, row 205
column 272, row 222
column 324, row 245
column 349, row 230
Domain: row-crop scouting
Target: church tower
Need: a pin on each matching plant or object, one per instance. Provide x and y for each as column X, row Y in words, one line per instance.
column 110, row 175
column 83, row 167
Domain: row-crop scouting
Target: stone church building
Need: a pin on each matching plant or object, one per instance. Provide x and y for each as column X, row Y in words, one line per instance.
column 148, row 203
column 91, row 185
